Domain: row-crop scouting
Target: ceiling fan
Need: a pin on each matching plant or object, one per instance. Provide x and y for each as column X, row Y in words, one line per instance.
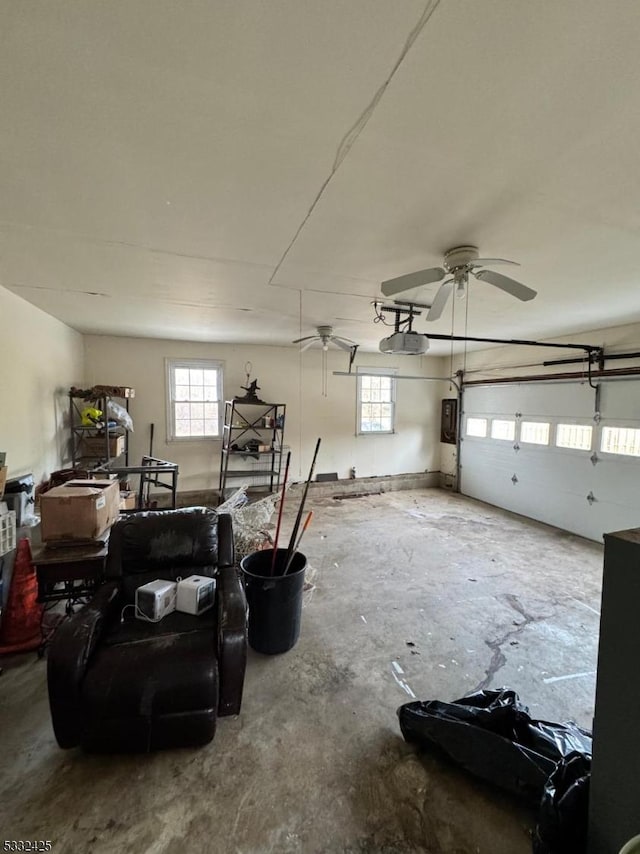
column 458, row 263
column 325, row 336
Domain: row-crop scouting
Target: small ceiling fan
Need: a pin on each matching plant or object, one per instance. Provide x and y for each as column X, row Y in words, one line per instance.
column 458, row 263
column 325, row 336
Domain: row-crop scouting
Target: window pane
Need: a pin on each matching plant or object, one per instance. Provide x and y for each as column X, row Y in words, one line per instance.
column 375, row 403
column 534, row 432
column 575, row 436
column 621, row 440
column 503, row 430
column 477, row 427
column 195, row 398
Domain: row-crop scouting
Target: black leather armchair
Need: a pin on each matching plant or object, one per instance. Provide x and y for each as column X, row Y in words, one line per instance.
column 124, row 684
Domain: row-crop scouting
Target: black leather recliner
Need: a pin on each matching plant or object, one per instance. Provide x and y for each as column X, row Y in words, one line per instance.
column 127, row 685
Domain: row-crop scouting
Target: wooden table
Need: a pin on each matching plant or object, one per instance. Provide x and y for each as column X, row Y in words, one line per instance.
column 71, row 574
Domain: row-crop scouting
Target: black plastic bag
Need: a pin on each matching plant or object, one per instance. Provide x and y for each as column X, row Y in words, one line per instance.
column 491, row 735
column 562, row 822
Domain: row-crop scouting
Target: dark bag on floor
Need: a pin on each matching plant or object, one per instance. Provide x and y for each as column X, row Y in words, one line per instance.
column 491, row 735
column 562, row 822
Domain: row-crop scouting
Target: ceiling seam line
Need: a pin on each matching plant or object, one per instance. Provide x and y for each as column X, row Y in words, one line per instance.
column 152, row 250
column 351, row 136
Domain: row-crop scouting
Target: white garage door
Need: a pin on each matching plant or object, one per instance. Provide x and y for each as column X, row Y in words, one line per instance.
column 536, row 449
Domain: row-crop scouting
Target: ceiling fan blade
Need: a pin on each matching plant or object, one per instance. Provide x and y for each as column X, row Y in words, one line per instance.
column 342, row 343
column 491, row 262
column 308, row 344
column 440, row 300
column 306, row 338
column 510, row 286
column 411, row 280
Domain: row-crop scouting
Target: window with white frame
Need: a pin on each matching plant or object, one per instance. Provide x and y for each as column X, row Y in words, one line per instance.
column 194, row 395
column 621, row 440
column 535, row 432
column 376, row 401
column 574, row 436
column 503, row 429
column 477, row 427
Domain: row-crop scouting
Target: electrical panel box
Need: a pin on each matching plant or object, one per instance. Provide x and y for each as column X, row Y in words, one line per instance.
column 449, row 421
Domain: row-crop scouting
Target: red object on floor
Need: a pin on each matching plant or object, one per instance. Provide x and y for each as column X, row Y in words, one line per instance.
column 20, row 627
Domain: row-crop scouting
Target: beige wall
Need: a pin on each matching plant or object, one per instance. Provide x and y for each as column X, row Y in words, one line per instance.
column 284, row 376
column 40, row 358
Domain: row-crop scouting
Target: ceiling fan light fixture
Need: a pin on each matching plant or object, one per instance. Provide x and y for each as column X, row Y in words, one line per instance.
column 457, row 263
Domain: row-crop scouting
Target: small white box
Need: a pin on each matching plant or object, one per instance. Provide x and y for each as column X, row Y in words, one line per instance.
column 155, row 600
column 196, row 594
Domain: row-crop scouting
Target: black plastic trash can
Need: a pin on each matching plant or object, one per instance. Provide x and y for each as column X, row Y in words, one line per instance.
column 275, row 601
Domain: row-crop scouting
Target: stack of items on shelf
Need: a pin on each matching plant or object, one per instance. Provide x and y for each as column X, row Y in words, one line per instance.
column 99, row 425
column 253, row 429
column 100, row 428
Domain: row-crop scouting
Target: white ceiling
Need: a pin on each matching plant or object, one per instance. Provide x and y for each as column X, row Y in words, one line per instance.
column 244, row 171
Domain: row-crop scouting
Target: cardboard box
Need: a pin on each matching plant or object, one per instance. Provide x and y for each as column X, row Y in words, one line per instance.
column 128, row 500
column 3, row 479
column 79, row 510
column 93, row 446
column 115, row 390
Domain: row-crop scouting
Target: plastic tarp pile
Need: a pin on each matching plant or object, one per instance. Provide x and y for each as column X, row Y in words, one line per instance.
column 491, row 735
column 250, row 521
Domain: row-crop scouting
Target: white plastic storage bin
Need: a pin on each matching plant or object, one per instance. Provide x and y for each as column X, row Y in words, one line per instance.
column 7, row 532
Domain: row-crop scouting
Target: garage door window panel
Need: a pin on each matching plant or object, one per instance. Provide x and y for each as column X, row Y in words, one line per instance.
column 535, row 432
column 503, row 430
column 476, row 427
column 624, row 441
column 577, row 437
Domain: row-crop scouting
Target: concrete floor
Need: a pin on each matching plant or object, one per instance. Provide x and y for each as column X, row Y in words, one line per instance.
column 315, row 762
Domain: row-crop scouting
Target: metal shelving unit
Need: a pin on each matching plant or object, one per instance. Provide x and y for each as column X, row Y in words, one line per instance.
column 252, row 430
column 93, row 446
